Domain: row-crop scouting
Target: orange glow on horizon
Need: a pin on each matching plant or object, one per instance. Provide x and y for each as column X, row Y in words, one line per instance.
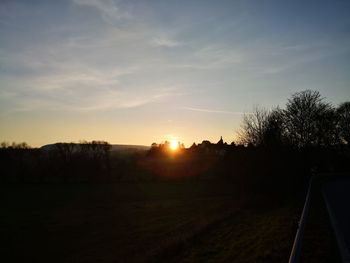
column 174, row 145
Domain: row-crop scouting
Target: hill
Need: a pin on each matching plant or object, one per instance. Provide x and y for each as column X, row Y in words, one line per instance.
column 114, row 148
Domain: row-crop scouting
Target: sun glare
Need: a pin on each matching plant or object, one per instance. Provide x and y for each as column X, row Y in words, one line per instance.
column 174, row 145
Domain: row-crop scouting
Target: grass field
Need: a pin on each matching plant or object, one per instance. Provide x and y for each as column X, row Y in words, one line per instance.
column 146, row 222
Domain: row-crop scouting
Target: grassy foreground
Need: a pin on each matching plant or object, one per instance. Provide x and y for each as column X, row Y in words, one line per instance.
column 146, row 222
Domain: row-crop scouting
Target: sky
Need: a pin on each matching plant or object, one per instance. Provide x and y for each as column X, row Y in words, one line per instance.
column 138, row 72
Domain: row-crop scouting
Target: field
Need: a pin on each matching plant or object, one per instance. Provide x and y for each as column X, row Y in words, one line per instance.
column 145, row 222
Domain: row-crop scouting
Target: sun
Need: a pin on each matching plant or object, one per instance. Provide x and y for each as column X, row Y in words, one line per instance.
column 174, row 144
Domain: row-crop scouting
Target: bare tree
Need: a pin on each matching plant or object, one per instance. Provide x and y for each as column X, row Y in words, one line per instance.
column 343, row 114
column 254, row 126
column 274, row 133
column 308, row 119
column 14, row 145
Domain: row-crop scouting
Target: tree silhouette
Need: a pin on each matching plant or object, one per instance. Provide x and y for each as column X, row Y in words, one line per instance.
column 253, row 127
column 14, row 145
column 274, row 132
column 308, row 119
column 343, row 114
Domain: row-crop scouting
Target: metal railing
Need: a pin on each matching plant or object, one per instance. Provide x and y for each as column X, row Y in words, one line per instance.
column 298, row 240
column 343, row 250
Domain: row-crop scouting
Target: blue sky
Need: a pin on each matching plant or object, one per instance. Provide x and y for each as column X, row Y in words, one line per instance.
column 145, row 71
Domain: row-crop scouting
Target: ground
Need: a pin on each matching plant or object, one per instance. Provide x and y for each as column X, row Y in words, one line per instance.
column 143, row 222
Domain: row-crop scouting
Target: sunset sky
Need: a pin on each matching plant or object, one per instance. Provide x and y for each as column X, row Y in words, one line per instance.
column 137, row 72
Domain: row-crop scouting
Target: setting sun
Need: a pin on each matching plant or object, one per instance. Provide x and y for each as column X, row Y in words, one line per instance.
column 174, row 145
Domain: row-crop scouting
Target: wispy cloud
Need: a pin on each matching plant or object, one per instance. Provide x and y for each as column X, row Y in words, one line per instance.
column 72, row 101
column 164, row 42
column 211, row 57
column 214, row 111
column 112, row 101
column 108, row 9
column 284, row 58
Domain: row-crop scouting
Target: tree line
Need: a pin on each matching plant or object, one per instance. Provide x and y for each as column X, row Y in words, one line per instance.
column 306, row 121
column 277, row 150
column 59, row 162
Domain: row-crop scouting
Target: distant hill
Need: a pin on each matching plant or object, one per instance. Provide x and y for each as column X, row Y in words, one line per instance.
column 115, row 147
column 125, row 147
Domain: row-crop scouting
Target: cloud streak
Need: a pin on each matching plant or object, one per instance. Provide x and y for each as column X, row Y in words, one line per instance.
column 109, row 10
column 164, row 42
column 214, row 111
column 72, row 102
